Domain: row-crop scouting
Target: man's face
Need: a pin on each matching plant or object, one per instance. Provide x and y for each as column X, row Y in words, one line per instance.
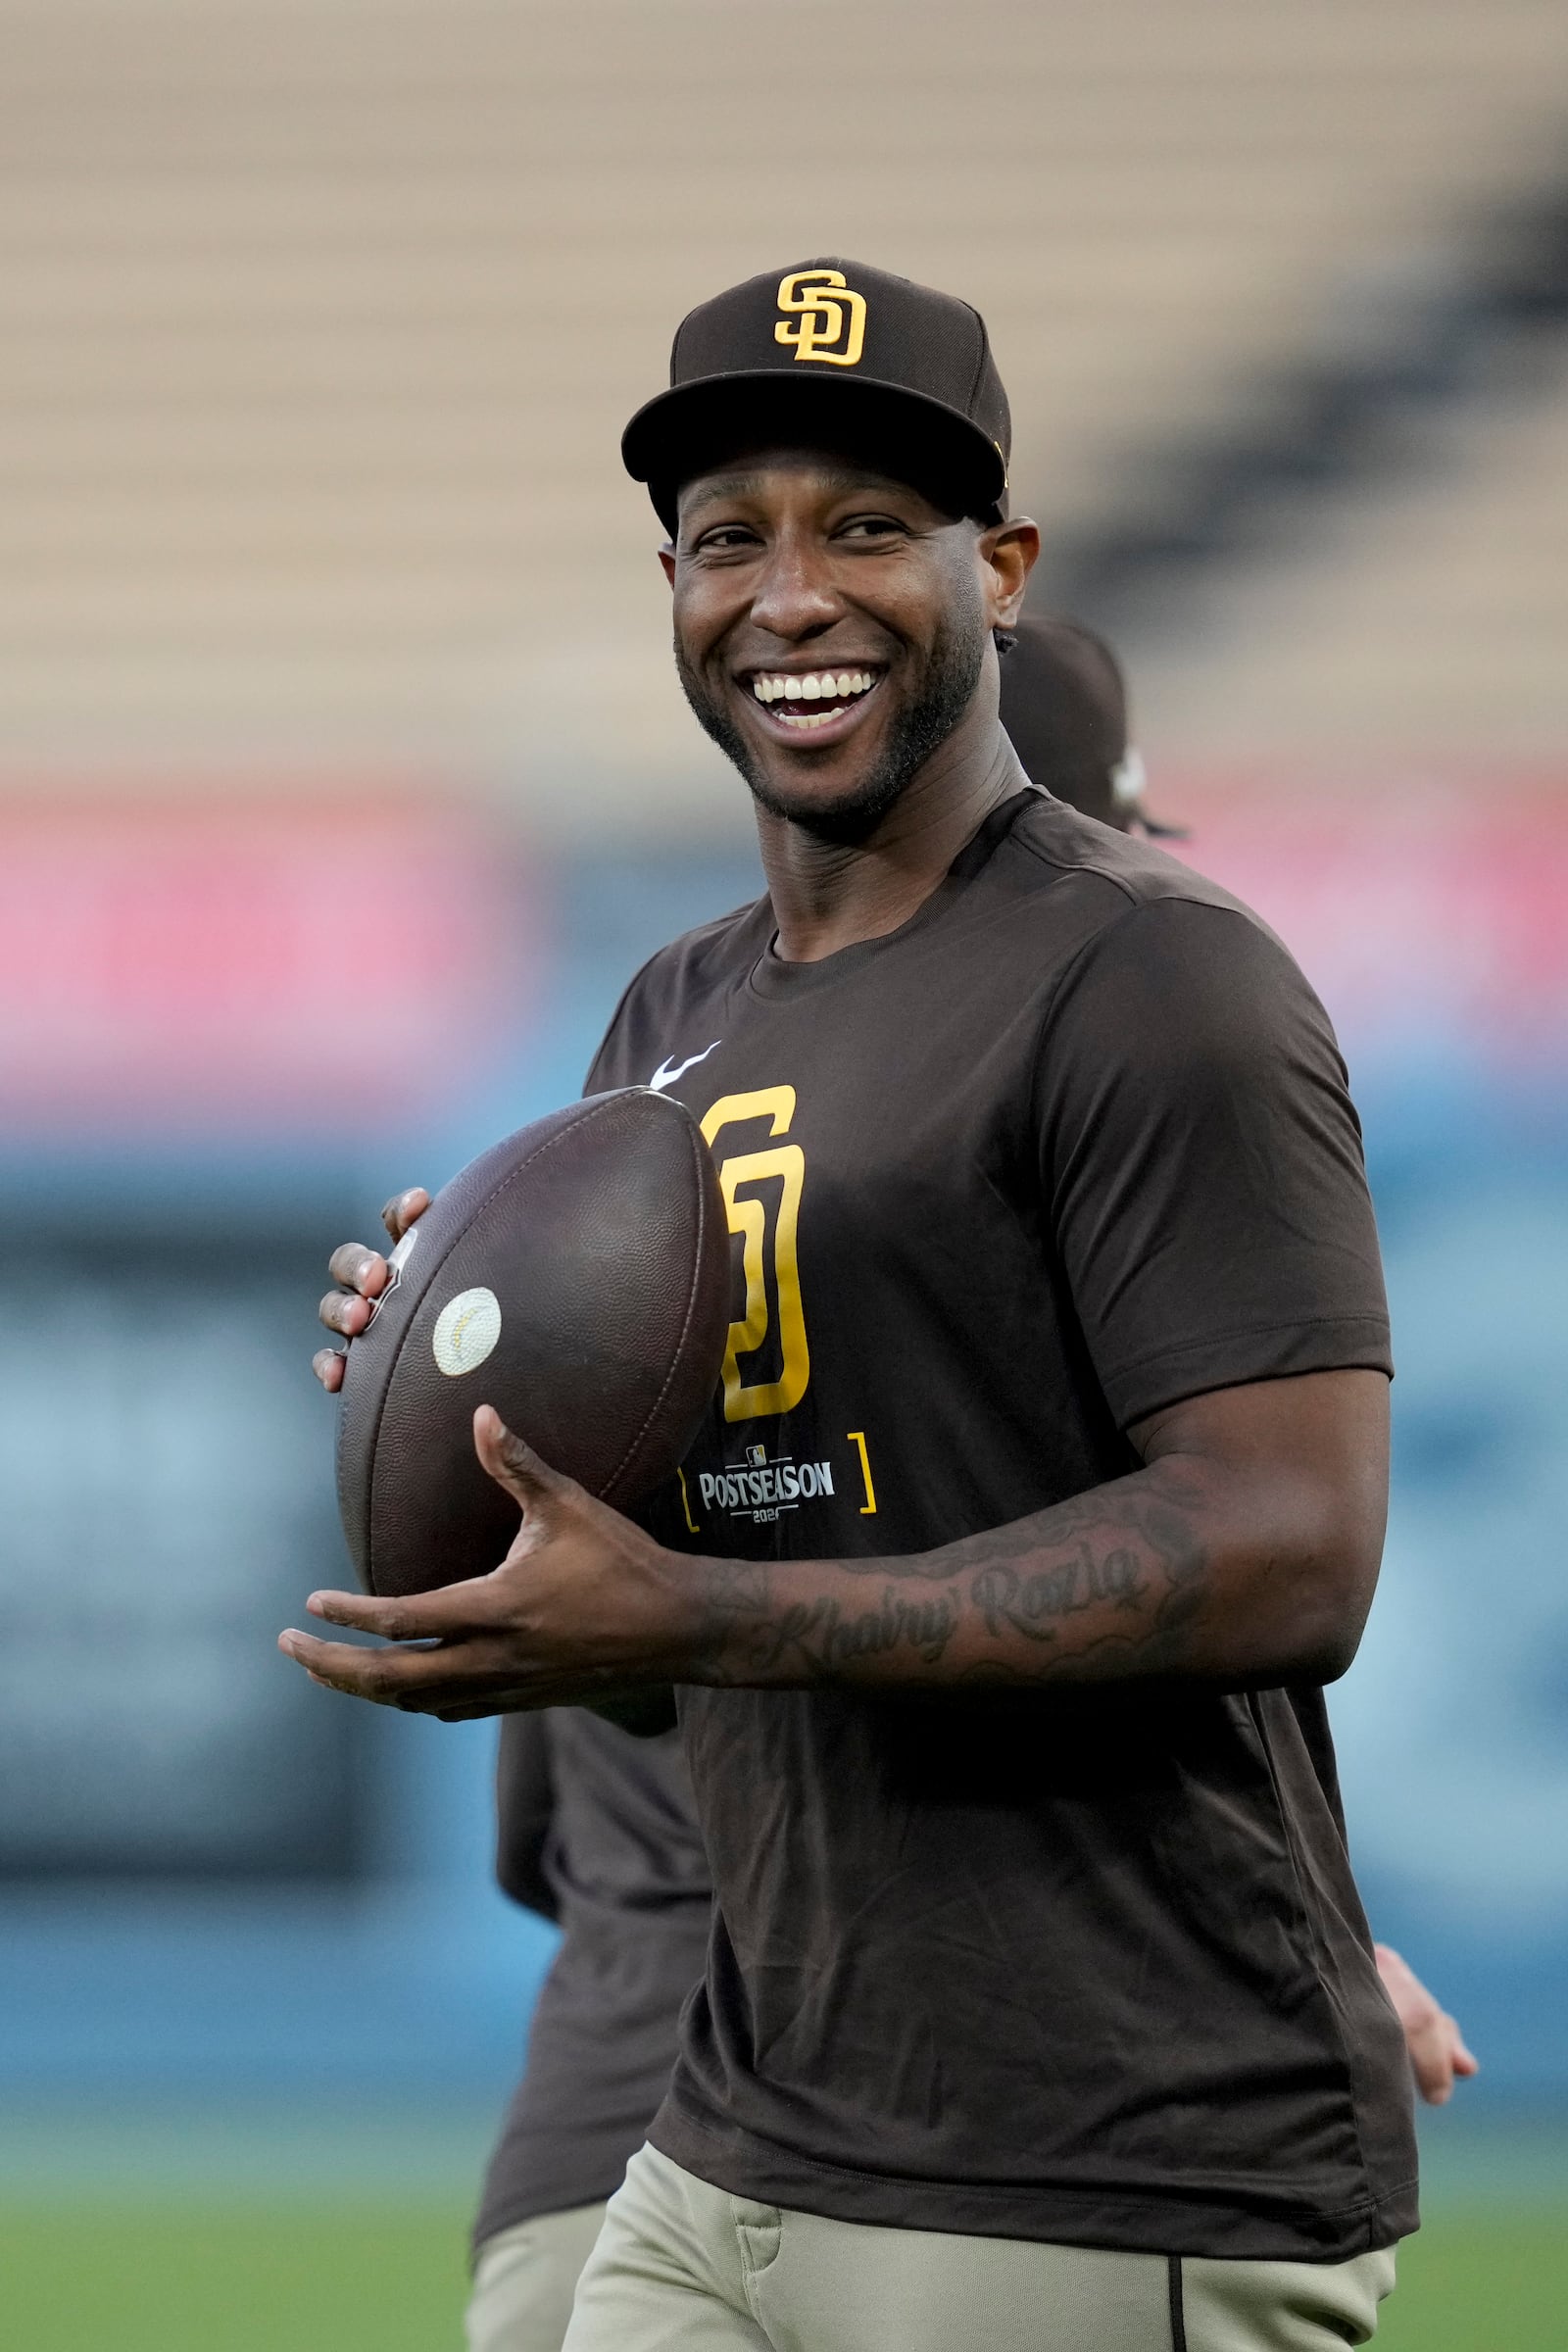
column 831, row 628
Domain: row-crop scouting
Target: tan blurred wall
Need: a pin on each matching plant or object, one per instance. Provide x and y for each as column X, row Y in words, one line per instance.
column 324, row 317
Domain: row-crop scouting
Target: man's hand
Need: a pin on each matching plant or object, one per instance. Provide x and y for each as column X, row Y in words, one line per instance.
column 362, row 1274
column 583, row 1608
column 1431, row 2037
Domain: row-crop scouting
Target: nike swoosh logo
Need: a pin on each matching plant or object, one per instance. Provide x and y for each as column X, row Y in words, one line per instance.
column 667, row 1072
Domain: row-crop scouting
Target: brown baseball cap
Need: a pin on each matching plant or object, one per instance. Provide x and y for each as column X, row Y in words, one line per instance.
column 838, row 352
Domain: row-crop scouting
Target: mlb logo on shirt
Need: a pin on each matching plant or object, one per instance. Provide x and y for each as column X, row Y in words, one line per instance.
column 756, row 1456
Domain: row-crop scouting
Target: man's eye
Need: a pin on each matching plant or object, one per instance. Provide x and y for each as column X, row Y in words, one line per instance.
column 870, row 526
column 725, row 536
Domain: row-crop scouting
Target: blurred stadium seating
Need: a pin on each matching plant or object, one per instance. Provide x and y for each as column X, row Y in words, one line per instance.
column 339, row 750
column 325, row 320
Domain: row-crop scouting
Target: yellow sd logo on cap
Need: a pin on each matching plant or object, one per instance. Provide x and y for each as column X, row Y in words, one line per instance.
column 829, row 312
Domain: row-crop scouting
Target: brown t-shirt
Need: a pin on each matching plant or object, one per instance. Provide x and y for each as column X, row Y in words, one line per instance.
column 1086, row 1965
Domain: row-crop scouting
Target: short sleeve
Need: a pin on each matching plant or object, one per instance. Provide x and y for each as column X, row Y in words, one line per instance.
column 1201, row 1162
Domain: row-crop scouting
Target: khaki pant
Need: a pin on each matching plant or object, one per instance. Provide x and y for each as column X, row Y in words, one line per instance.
column 524, row 2280
column 683, row 2267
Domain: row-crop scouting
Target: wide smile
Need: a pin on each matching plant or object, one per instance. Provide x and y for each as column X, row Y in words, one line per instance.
column 813, row 707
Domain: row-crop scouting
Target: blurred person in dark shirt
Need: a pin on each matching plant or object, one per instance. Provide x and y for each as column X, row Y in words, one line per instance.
column 596, row 1830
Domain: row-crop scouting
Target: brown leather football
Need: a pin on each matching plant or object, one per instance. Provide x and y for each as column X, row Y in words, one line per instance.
column 578, row 1278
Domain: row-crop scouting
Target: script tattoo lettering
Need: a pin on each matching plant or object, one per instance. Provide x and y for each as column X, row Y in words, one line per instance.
column 821, row 1637
column 1031, row 1603
column 1123, row 1570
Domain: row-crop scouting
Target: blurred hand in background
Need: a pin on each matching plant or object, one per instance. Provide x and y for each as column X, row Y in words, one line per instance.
column 1436, row 2047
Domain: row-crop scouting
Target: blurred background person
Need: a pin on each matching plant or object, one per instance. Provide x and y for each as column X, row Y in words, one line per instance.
column 322, row 323
column 595, row 1832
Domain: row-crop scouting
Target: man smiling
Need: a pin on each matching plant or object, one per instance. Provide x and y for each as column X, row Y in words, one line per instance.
column 1044, row 1491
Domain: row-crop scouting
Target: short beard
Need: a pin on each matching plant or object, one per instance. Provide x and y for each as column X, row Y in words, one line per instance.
column 958, row 658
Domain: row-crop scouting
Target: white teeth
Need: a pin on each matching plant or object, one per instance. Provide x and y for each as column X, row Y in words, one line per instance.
column 794, row 686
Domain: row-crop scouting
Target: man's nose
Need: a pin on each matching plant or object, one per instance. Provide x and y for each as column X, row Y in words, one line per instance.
column 796, row 596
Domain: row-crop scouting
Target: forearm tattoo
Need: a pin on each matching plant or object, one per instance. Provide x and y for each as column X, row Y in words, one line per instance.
column 1110, row 1584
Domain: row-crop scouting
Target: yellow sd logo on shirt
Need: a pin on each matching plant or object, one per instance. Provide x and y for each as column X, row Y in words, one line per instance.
column 830, row 313
column 748, row 1217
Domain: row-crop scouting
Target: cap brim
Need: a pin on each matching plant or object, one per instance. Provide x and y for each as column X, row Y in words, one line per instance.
column 923, row 441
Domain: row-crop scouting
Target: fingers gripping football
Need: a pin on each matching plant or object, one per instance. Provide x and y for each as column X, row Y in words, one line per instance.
column 580, row 1605
column 362, row 1274
column 402, row 1208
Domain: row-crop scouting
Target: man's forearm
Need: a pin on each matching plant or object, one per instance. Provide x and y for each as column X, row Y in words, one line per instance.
column 1175, row 1572
column 1244, row 1554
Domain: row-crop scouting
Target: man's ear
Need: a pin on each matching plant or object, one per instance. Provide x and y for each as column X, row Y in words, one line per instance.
column 667, row 557
column 1009, row 552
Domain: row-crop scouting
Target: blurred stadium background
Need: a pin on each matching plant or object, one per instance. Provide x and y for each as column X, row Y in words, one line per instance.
column 344, row 779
